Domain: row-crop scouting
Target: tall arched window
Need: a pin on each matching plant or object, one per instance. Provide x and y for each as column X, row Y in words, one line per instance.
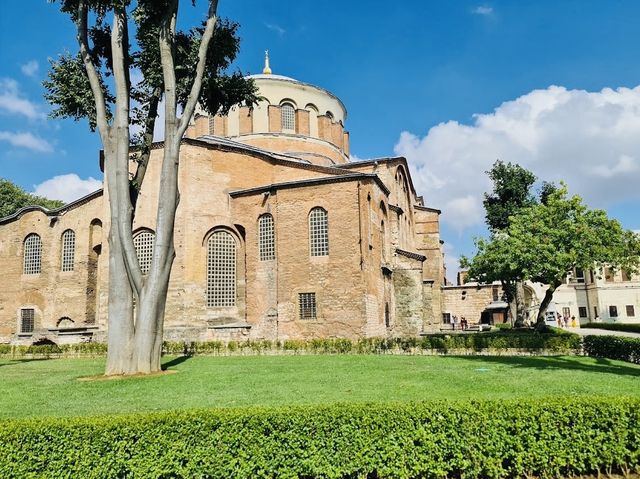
column 288, row 116
column 143, row 243
column 383, row 240
column 32, row 254
column 318, row 232
column 221, row 270
column 68, row 250
column 266, row 239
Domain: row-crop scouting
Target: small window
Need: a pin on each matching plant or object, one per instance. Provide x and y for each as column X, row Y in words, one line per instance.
column 307, row 305
column 613, row 311
column 221, row 270
column 68, row 250
column 318, row 232
column 495, row 293
column 387, row 315
column 27, row 320
column 582, row 311
column 566, row 312
column 266, row 241
column 608, row 275
column 579, row 276
column 446, row 318
column 212, row 125
column 631, row 310
column 288, row 116
column 32, row 254
column 595, row 312
column 383, row 240
column 143, row 243
column 626, row 275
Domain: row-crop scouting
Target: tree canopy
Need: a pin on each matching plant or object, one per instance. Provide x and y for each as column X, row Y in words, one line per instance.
column 13, row 197
column 545, row 242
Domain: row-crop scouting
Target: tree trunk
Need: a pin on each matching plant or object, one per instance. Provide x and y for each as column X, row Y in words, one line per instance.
column 519, row 303
column 542, row 311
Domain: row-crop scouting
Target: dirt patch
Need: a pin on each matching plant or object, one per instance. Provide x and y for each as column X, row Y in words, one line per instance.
column 102, row 377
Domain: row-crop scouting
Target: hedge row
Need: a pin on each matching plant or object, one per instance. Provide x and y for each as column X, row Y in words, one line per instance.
column 443, row 343
column 630, row 328
column 554, row 342
column 613, row 347
column 549, row 438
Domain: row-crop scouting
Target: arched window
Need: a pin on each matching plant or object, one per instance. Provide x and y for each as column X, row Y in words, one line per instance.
column 143, row 243
column 329, row 115
column 266, row 240
column 32, row 254
column 318, row 232
column 288, row 116
column 68, row 250
column 221, row 270
column 383, row 240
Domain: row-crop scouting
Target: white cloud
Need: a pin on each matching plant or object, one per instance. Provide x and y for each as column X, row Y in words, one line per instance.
column 67, row 187
column 482, row 10
column 588, row 139
column 30, row 68
column 26, row 140
column 12, row 101
column 275, row 28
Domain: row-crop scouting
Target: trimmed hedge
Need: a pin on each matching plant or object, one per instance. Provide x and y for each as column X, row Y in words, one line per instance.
column 630, row 328
column 556, row 341
column 549, row 438
column 613, row 347
column 528, row 341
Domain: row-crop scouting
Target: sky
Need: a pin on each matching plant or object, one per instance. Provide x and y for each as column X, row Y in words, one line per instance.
column 452, row 85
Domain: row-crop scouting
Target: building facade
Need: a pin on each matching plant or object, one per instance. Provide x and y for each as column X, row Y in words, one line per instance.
column 278, row 235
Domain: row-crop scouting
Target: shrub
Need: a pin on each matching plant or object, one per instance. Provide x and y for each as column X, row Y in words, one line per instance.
column 613, row 347
column 552, row 438
column 630, row 328
column 503, row 326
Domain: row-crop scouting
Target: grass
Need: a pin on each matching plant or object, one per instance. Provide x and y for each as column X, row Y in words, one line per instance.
column 31, row 388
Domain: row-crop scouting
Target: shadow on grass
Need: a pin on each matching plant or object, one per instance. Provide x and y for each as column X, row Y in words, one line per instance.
column 174, row 362
column 15, row 362
column 601, row 365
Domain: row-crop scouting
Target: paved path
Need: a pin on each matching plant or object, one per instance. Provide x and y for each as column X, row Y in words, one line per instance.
column 601, row 332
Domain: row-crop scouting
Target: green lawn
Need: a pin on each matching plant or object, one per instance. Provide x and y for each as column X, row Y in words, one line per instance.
column 50, row 387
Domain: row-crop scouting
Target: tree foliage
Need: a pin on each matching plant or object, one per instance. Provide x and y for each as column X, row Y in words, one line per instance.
column 546, row 241
column 12, row 198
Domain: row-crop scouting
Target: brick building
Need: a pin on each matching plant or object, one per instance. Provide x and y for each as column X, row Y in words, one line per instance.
column 278, row 235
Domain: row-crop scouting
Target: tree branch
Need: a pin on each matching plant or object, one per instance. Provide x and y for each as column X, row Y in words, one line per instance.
column 192, row 100
column 92, row 73
column 125, row 210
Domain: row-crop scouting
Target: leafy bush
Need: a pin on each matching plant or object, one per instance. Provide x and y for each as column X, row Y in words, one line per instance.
column 630, row 328
column 613, row 347
column 503, row 326
column 550, row 438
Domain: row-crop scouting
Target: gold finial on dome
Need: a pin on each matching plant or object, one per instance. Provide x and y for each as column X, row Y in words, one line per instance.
column 266, row 70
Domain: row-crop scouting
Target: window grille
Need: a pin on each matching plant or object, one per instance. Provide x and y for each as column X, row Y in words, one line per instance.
column 266, row 241
column 221, row 270
column 27, row 320
column 32, row 254
column 582, row 311
column 318, row 232
column 613, row 311
column 68, row 250
column 288, row 117
column 212, row 125
column 631, row 311
column 446, row 318
column 307, row 305
column 143, row 242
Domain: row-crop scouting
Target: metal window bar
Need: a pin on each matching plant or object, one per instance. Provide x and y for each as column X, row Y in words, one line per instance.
column 143, row 242
column 68, row 250
column 318, row 232
column 221, row 270
column 32, row 254
column 307, row 305
column 27, row 320
column 266, row 239
column 288, row 117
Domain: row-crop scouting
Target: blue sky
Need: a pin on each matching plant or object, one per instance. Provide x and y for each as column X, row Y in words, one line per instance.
column 452, row 85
